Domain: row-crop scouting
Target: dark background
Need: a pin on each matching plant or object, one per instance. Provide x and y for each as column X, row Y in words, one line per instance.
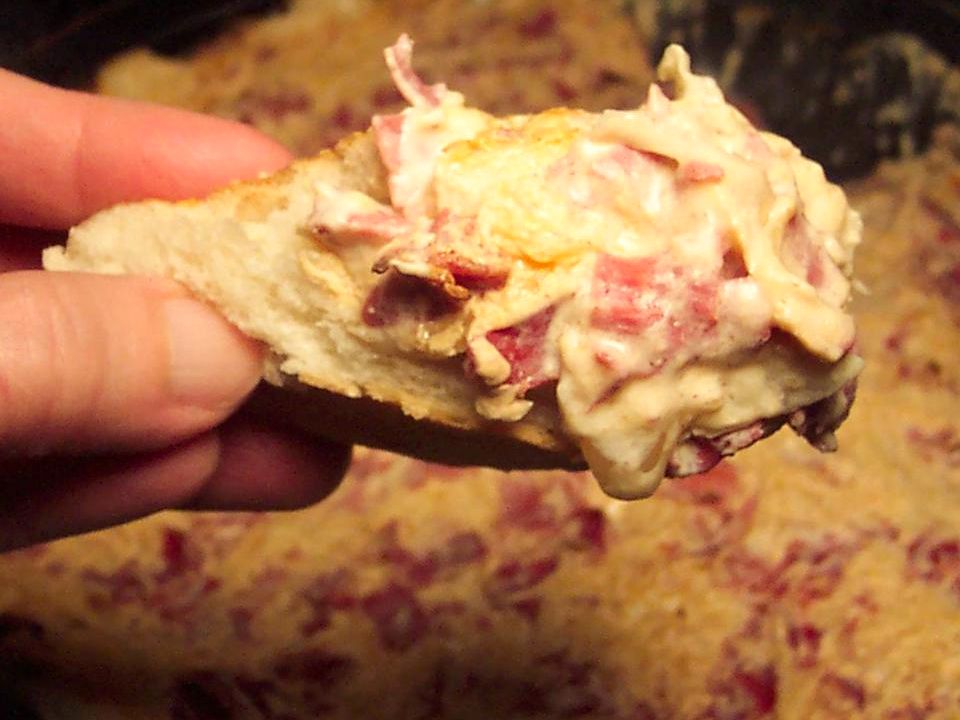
column 63, row 42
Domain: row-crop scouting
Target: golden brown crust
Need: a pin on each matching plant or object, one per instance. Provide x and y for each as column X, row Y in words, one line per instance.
column 371, row 423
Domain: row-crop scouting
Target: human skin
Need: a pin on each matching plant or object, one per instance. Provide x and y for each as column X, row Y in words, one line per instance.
column 122, row 396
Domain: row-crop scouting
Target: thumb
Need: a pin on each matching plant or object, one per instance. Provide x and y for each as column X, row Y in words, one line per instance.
column 93, row 362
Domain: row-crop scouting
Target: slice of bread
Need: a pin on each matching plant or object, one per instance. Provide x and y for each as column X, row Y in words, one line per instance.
column 646, row 290
column 240, row 249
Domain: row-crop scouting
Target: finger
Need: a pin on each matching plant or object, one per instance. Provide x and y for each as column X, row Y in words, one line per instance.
column 55, row 498
column 241, row 466
column 91, row 362
column 68, row 154
column 263, row 468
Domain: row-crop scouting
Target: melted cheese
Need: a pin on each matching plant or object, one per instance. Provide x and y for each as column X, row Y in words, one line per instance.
column 697, row 269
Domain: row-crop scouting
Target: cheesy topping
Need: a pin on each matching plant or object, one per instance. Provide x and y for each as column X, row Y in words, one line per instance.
column 680, row 277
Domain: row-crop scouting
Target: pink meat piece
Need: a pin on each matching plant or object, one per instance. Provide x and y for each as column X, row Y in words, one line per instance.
column 699, row 454
column 399, row 618
column 809, row 571
column 384, row 225
column 455, row 262
column 399, row 59
column 677, row 314
column 540, row 25
column 825, row 564
column 692, row 457
column 522, row 345
column 326, row 594
column 623, row 162
column 180, row 555
column 523, row 506
column 712, row 488
column 529, row 608
column 934, row 559
column 408, row 150
column 513, row 576
column 344, row 118
column 565, row 92
column 470, row 274
column 479, row 271
column 354, row 215
column 621, row 303
column 275, row 106
column 948, row 282
column 587, row 529
column 815, row 423
column 699, row 172
column 804, row 256
column 122, row 586
column 839, row 693
column 798, row 245
column 652, row 294
column 804, row 640
column 593, row 176
column 761, row 687
column 733, row 265
column 404, row 296
column 387, row 131
column 442, row 562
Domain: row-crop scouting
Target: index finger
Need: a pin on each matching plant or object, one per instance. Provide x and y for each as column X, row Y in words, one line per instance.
column 68, row 154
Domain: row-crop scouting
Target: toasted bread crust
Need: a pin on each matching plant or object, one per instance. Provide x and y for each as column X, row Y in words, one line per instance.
column 371, row 423
column 377, row 411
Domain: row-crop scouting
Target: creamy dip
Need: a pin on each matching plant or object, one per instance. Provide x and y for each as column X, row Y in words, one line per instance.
column 674, row 277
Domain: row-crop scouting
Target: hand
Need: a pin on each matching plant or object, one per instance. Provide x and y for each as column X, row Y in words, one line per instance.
column 118, row 394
